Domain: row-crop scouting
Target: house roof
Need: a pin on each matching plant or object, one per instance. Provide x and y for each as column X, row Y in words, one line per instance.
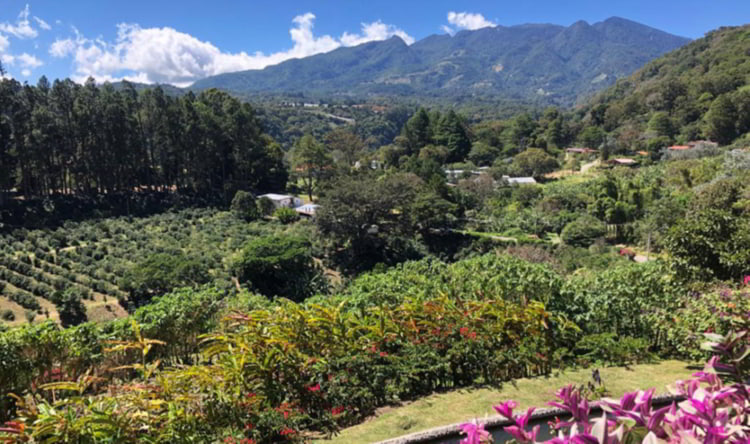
column 624, row 161
column 679, row 147
column 274, row 196
column 519, row 180
column 642, row 153
column 580, row 150
column 308, row 209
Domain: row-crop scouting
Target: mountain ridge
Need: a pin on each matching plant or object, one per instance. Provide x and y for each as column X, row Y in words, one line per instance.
column 530, row 61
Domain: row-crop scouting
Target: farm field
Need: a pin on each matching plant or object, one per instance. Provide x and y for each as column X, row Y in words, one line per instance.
column 39, row 269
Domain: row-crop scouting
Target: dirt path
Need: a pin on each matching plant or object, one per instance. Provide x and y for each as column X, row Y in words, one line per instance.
column 587, row 166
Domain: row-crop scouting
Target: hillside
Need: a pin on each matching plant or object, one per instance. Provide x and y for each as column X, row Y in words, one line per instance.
column 701, row 90
column 540, row 62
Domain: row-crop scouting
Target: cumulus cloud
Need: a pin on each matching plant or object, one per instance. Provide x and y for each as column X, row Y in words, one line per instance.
column 466, row 20
column 375, row 31
column 25, row 72
column 22, row 29
column 165, row 55
column 24, row 60
column 62, row 47
column 4, row 43
column 28, row 61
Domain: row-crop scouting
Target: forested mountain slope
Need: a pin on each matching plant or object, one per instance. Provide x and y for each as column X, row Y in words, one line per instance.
column 701, row 90
column 542, row 62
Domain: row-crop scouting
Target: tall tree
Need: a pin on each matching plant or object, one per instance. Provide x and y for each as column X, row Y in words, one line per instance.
column 417, row 131
column 452, row 133
column 311, row 162
column 346, row 145
column 720, row 120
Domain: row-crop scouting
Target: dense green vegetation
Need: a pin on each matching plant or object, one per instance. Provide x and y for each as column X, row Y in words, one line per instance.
column 697, row 91
column 121, row 260
column 66, row 138
column 246, row 321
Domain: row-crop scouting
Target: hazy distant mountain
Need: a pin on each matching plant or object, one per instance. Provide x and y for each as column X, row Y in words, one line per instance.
column 529, row 62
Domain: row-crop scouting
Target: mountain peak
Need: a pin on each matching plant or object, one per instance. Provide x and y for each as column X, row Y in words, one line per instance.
column 511, row 62
column 580, row 24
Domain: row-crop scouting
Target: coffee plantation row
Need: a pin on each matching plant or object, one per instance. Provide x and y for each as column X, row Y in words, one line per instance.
column 55, row 273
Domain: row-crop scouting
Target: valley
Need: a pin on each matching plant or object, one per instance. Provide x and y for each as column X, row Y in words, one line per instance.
column 381, row 238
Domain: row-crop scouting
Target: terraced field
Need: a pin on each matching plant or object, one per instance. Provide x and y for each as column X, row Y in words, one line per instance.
column 89, row 259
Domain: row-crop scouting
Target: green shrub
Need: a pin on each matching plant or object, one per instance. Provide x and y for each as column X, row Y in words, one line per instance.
column 280, row 266
column 627, row 300
column 8, row 315
column 583, row 231
column 30, row 315
column 710, row 244
column 265, row 206
column 718, row 311
column 70, row 307
column 286, row 215
column 608, row 349
column 243, row 206
column 162, row 272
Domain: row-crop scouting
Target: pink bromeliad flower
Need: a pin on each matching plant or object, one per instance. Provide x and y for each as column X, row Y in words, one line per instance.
column 475, row 433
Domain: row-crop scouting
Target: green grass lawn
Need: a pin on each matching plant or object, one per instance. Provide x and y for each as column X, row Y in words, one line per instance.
column 460, row 405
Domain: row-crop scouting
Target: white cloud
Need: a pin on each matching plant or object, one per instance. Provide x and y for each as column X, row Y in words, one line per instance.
column 22, row 29
column 375, row 31
column 7, row 59
column 448, row 30
column 466, row 20
column 42, row 24
column 165, row 55
column 25, row 72
column 58, row 22
column 28, row 61
column 4, row 43
column 62, row 48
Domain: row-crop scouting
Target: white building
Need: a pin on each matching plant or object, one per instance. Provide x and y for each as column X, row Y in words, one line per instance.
column 283, row 200
column 307, row 209
column 519, row 180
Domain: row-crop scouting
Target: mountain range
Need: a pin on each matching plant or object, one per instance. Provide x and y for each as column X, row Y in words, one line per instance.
column 533, row 62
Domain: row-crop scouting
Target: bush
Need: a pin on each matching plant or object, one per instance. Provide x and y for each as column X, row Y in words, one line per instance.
column 243, row 206
column 534, row 162
column 718, row 311
column 265, row 206
column 280, row 266
column 627, row 300
column 277, row 373
column 583, row 231
column 70, row 307
column 8, row 315
column 162, row 272
column 710, row 244
column 286, row 215
column 608, row 349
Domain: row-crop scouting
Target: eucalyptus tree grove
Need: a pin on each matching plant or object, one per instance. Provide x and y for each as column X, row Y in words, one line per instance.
column 66, row 138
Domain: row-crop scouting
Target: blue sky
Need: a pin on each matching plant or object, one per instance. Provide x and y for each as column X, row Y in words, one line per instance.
column 179, row 42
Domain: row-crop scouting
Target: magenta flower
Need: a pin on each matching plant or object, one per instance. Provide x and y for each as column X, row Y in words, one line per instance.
column 475, row 433
column 746, row 281
column 506, row 408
